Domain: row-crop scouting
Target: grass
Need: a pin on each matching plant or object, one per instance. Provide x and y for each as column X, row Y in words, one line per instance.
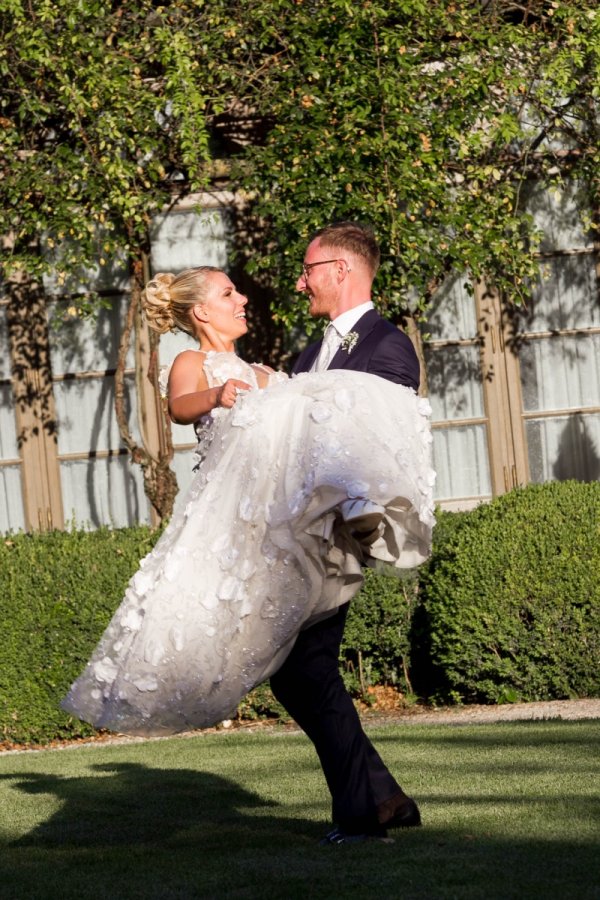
column 510, row 811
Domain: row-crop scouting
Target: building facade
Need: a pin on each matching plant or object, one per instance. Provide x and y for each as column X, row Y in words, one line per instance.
column 515, row 393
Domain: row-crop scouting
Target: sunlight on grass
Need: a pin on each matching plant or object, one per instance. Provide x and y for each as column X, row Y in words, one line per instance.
column 509, row 811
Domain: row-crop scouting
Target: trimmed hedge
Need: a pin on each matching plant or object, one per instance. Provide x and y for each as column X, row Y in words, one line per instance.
column 510, row 600
column 507, row 609
column 58, row 593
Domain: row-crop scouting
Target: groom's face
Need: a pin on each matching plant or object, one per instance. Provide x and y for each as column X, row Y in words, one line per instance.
column 319, row 282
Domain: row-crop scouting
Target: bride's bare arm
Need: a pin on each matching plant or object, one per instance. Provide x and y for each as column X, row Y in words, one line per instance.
column 190, row 397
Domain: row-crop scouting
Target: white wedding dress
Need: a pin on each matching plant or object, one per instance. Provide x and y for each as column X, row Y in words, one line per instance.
column 257, row 548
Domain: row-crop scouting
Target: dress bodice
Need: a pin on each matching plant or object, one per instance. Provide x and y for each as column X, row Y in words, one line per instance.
column 219, row 367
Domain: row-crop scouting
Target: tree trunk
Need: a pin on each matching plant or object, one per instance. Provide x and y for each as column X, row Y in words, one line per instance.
column 160, row 482
column 412, row 330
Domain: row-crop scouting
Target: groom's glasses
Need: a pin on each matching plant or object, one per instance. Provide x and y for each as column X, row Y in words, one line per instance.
column 306, row 267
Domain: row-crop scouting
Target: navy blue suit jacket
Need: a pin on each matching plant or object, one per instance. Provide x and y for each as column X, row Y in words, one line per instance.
column 381, row 349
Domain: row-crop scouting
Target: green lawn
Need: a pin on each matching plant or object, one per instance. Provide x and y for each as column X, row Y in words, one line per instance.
column 509, row 811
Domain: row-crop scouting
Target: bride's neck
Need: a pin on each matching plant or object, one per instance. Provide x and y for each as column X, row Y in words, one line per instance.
column 217, row 346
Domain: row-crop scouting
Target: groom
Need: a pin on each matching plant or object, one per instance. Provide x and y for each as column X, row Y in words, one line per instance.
column 339, row 266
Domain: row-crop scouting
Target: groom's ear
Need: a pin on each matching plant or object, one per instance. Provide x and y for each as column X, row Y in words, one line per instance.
column 200, row 312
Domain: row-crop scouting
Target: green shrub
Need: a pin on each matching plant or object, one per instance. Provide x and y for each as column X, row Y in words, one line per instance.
column 507, row 609
column 510, row 600
column 59, row 591
column 376, row 645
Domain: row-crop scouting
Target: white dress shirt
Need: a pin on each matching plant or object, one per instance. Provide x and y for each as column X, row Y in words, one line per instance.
column 334, row 333
column 347, row 320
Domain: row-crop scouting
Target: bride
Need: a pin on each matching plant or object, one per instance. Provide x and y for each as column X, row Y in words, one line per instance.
column 258, row 547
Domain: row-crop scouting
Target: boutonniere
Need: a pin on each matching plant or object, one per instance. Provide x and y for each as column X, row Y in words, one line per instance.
column 348, row 342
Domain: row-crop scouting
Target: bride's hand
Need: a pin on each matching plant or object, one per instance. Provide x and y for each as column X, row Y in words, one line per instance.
column 229, row 391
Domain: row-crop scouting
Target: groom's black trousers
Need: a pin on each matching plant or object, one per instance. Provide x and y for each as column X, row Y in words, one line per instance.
column 310, row 687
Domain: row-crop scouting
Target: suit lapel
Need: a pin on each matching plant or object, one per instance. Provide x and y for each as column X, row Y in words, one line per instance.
column 363, row 329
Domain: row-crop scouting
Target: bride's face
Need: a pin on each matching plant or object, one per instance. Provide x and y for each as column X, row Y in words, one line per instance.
column 224, row 309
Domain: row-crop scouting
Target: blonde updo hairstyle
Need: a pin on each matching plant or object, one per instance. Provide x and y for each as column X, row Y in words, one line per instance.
column 168, row 299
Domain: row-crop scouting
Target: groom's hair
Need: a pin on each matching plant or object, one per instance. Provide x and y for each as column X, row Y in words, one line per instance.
column 354, row 237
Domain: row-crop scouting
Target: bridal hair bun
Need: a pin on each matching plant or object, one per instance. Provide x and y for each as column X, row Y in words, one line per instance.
column 168, row 299
column 156, row 301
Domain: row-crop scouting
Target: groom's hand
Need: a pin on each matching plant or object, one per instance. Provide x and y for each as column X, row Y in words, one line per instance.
column 228, row 393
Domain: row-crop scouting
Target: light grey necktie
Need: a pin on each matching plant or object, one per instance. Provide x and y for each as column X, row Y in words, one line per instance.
column 331, row 342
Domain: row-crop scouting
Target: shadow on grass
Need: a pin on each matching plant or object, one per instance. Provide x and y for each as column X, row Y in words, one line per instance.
column 130, row 804
column 129, row 830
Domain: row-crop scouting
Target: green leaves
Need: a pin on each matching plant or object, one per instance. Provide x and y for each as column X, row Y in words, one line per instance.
column 421, row 119
column 101, row 105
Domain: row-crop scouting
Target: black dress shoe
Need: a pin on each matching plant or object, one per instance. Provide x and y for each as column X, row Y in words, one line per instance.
column 337, row 836
column 406, row 815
